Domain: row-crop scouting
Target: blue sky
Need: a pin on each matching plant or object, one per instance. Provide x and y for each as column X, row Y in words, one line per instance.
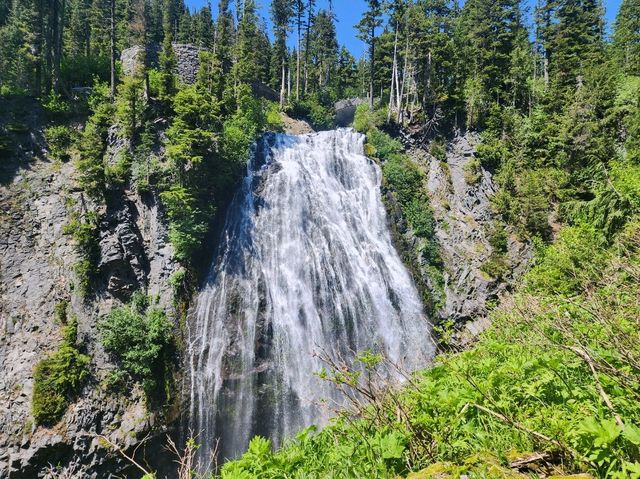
column 348, row 13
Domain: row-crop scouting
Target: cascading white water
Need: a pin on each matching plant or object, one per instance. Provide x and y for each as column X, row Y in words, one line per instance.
column 306, row 264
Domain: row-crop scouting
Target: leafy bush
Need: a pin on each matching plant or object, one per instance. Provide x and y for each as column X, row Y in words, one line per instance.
column 384, row 147
column 472, row 172
column 139, row 336
column 187, row 223
column 59, row 377
column 319, row 115
column 59, row 140
column 56, row 106
column 84, row 231
column 438, row 150
column 366, row 119
column 273, row 119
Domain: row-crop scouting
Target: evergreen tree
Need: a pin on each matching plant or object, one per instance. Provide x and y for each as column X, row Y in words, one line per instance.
column 281, row 14
column 224, row 36
column 371, row 20
column 298, row 9
column 572, row 33
column 492, row 30
column 323, row 50
column 626, row 37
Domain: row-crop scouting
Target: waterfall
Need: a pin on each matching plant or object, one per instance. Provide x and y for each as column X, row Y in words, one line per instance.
column 305, row 265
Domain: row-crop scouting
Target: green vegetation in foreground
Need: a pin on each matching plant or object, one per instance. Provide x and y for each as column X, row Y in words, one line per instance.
column 139, row 336
column 558, row 372
column 58, row 377
column 407, row 183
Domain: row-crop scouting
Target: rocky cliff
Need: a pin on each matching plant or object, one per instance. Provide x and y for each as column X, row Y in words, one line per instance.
column 460, row 192
column 37, row 257
column 36, row 273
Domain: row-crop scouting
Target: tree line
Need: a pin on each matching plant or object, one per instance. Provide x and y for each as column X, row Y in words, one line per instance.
column 51, row 46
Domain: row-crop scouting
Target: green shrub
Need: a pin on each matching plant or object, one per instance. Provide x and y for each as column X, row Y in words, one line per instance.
column 56, row 106
column 59, row 140
column 59, row 377
column 472, row 172
column 366, row 119
column 320, row 116
column 383, row 144
column 574, row 260
column 85, row 233
column 491, row 154
column 187, row 222
column 438, row 150
column 118, row 172
column 139, row 336
column 408, row 182
column 273, row 119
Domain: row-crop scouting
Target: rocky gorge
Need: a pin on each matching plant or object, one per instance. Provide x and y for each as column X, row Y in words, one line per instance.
column 36, row 272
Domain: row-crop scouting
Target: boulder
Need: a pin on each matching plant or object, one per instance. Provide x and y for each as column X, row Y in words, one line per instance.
column 346, row 110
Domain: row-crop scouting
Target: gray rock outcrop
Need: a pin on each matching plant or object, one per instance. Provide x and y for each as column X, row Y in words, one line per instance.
column 464, row 218
column 37, row 271
column 346, row 110
column 187, row 59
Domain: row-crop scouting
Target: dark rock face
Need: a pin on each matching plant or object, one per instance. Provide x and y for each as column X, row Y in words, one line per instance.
column 346, row 110
column 187, row 61
column 36, row 272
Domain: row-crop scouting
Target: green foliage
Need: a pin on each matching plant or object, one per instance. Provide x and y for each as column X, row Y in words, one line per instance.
column 129, row 106
column 438, row 150
column 497, row 264
column 139, row 337
column 92, row 144
column 319, row 115
column 273, row 119
column 188, row 223
column 59, row 140
column 58, row 378
column 382, row 145
column 474, row 411
column 366, row 119
column 408, row 182
column 472, row 171
column 56, row 106
column 145, row 167
column 85, row 233
column 569, row 264
column 118, row 172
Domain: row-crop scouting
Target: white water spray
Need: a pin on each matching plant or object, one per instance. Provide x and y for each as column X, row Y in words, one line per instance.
column 306, row 264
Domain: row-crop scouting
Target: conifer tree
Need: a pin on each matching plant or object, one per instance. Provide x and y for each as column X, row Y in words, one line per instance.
column 572, row 35
column 626, row 37
column 281, row 14
column 371, row 20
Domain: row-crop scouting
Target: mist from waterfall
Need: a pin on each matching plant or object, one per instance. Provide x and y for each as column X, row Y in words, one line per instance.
column 305, row 265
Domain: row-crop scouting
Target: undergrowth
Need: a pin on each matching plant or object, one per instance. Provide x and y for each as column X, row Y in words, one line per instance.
column 57, row 378
column 407, row 183
column 556, row 377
